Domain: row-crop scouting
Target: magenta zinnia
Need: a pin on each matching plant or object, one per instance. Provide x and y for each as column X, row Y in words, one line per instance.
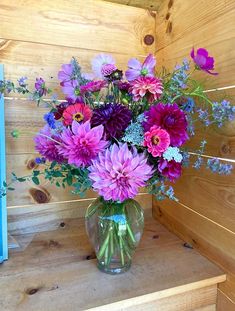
column 146, row 86
column 46, row 143
column 81, row 144
column 157, row 140
column 118, row 173
column 170, row 118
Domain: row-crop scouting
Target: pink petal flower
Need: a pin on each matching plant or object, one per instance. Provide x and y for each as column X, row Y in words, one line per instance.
column 157, row 140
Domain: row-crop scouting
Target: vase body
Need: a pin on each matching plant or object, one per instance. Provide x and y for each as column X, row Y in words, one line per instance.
column 115, row 230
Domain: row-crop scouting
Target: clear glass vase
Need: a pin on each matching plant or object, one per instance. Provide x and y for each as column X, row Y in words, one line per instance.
column 115, row 230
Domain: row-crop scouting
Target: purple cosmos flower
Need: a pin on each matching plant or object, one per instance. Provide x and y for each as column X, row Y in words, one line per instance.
column 137, row 69
column 65, row 75
column 114, row 117
column 40, row 86
column 203, row 61
column 81, row 144
column 172, row 170
column 46, row 144
column 118, row 172
column 72, row 90
column 103, row 65
column 170, row 118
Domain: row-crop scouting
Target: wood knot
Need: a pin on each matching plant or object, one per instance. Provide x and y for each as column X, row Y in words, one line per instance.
column 155, row 236
column 225, row 148
column 148, row 39
column 91, row 256
column 170, row 3
column 62, row 224
column 53, row 243
column 31, row 164
column 168, row 15
column 39, row 196
column 169, row 27
column 187, row 245
column 32, row 291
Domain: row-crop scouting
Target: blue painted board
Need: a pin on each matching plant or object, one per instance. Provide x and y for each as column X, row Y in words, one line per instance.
column 3, row 207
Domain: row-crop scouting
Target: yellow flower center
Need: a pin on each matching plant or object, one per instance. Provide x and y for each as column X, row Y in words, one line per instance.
column 78, row 117
column 155, row 140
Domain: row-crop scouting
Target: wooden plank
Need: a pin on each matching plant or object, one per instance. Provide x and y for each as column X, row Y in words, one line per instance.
column 51, row 216
column 228, row 288
column 42, row 60
column 3, row 207
column 208, row 24
column 212, row 240
column 146, row 4
column 223, row 303
column 30, row 279
column 71, row 23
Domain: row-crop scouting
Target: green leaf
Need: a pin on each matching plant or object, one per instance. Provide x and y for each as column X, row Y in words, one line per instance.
column 21, row 179
column 4, row 184
column 35, row 180
column 69, row 179
column 57, row 174
column 10, row 189
column 36, row 173
column 57, row 184
column 53, row 164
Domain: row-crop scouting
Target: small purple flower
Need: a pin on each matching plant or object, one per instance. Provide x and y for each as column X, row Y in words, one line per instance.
column 103, row 65
column 137, row 69
column 50, row 119
column 65, row 75
column 40, row 86
column 22, row 81
column 71, row 89
column 203, row 61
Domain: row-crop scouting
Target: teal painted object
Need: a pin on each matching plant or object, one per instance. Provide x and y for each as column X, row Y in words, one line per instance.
column 3, row 207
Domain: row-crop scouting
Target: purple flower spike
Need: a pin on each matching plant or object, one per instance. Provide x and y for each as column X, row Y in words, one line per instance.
column 136, row 69
column 40, row 86
column 203, row 61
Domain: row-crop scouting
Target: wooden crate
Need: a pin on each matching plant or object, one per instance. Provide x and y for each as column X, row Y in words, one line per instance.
column 36, row 37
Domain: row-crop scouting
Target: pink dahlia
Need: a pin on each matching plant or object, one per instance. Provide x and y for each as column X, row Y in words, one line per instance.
column 170, row 118
column 146, row 86
column 93, row 86
column 47, row 143
column 118, row 172
column 78, row 112
column 81, row 144
column 136, row 69
column 172, row 169
column 157, row 140
column 103, row 65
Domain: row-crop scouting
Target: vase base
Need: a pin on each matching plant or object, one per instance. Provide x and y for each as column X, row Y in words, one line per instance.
column 113, row 270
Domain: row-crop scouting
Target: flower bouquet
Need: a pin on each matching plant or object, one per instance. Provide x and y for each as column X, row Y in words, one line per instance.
column 117, row 132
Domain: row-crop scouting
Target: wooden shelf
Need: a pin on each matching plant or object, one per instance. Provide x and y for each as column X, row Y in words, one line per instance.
column 56, row 270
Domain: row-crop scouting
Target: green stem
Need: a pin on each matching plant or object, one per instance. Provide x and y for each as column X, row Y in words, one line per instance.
column 103, row 247
column 121, row 250
column 130, row 233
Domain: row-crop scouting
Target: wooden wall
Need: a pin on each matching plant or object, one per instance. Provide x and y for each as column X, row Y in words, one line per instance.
column 36, row 37
column 205, row 214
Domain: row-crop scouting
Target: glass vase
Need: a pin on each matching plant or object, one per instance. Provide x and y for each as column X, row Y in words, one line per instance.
column 115, row 230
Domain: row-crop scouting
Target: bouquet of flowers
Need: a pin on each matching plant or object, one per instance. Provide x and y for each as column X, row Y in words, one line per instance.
column 117, row 132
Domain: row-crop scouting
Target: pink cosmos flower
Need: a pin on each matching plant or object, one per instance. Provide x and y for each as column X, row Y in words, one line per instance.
column 81, row 144
column 118, row 172
column 157, row 140
column 46, row 144
column 103, row 65
column 78, row 112
column 146, row 86
column 93, row 86
column 203, row 61
column 136, row 69
column 172, row 169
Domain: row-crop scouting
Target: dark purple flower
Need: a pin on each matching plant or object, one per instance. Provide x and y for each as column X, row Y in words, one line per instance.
column 203, row 61
column 114, row 117
column 170, row 118
column 60, row 109
column 65, row 75
column 123, row 86
column 172, row 170
column 40, row 86
column 137, row 69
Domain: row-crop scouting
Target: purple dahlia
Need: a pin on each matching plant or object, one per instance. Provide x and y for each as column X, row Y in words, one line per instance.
column 170, row 118
column 114, row 117
column 172, row 169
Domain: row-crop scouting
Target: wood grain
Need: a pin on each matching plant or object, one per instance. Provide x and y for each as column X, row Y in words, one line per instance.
column 91, row 25
column 145, row 4
column 208, row 24
column 223, row 303
column 31, row 279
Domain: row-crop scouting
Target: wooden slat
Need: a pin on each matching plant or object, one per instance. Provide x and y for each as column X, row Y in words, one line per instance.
column 145, row 4
column 42, row 60
column 51, row 216
column 223, row 303
column 88, row 25
column 208, row 24
column 31, row 279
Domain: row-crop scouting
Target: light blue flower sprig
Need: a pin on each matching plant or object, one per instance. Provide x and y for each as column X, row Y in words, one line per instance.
column 173, row 153
column 119, row 219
